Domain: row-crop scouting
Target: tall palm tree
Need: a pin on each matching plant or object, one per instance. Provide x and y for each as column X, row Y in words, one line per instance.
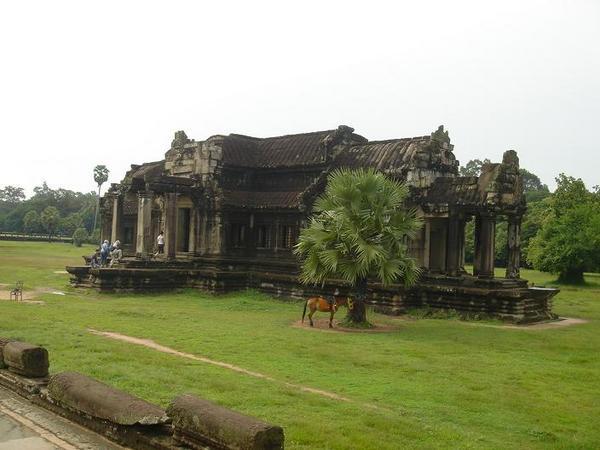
column 100, row 177
column 359, row 231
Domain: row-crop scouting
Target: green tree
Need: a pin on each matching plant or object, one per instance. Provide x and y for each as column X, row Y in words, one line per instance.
column 100, row 177
column 50, row 219
column 533, row 187
column 359, row 230
column 12, row 194
column 69, row 224
column 473, row 168
column 537, row 212
column 568, row 242
column 80, row 236
column 31, row 222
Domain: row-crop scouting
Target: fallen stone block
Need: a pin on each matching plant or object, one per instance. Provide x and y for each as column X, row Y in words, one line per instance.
column 26, row 359
column 3, row 343
column 85, row 395
column 198, row 423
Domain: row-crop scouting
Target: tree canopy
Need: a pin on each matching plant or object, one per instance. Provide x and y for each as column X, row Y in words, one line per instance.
column 101, row 175
column 12, row 194
column 50, row 218
column 67, row 202
column 568, row 243
column 359, row 230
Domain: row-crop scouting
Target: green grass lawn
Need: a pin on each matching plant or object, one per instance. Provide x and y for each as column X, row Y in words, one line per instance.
column 437, row 383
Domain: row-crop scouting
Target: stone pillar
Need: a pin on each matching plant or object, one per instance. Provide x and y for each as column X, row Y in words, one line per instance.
column 427, row 243
column 476, row 245
column 116, row 220
column 453, row 245
column 514, row 247
column 461, row 245
column 144, row 225
column 171, row 225
column 485, row 236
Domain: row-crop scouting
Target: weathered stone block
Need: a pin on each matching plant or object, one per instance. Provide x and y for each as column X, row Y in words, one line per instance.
column 3, row 342
column 198, row 422
column 26, row 359
column 94, row 398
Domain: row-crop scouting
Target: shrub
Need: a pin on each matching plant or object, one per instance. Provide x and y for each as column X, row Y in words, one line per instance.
column 79, row 237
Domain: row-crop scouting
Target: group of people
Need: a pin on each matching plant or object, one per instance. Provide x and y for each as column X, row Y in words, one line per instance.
column 106, row 250
column 115, row 252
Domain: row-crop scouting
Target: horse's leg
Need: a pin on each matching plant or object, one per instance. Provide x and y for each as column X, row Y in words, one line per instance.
column 331, row 318
column 310, row 314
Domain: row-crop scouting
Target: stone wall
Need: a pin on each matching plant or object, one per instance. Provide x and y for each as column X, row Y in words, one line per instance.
column 507, row 299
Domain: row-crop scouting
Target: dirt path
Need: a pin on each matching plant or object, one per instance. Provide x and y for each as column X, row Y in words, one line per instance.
column 161, row 348
column 322, row 325
column 27, row 297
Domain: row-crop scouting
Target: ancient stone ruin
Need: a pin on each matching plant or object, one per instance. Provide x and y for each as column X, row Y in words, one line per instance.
column 232, row 208
column 189, row 422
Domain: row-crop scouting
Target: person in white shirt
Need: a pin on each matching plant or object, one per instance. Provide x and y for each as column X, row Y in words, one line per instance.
column 160, row 242
column 116, row 254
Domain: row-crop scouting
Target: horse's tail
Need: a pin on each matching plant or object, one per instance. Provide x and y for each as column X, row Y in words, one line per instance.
column 304, row 312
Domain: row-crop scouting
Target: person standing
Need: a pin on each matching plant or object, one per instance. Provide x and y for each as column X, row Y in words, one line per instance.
column 104, row 252
column 116, row 254
column 160, row 242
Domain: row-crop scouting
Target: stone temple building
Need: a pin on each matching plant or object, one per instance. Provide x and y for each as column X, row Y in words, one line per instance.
column 232, row 208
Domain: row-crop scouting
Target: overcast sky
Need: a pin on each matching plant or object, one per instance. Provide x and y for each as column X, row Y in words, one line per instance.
column 86, row 83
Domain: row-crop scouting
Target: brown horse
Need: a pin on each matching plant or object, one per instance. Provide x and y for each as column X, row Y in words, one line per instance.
column 321, row 304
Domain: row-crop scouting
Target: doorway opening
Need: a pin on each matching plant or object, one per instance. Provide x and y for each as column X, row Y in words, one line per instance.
column 183, row 229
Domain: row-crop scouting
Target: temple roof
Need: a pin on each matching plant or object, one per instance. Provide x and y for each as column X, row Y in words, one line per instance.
column 280, row 151
column 149, row 170
column 391, row 155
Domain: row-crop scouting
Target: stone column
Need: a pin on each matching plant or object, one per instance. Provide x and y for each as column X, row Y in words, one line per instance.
column 461, row 245
column 116, row 220
column 427, row 244
column 171, row 225
column 485, row 236
column 476, row 245
column 514, row 247
column 453, row 245
column 144, row 225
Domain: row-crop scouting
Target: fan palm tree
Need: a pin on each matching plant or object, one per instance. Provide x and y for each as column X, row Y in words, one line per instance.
column 360, row 230
column 100, row 177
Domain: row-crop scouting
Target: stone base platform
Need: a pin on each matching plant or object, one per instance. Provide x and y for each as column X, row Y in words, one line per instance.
column 507, row 299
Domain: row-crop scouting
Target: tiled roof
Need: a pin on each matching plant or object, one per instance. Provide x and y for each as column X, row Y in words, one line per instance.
column 391, row 156
column 457, row 190
column 261, row 199
column 150, row 170
column 281, row 151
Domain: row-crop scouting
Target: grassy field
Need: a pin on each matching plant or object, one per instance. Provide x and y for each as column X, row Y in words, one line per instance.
column 431, row 383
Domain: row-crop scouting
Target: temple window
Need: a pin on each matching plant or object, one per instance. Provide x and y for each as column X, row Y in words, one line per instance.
column 263, row 238
column 238, row 234
column 286, row 236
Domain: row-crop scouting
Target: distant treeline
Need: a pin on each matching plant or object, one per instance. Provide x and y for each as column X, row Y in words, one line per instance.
column 53, row 212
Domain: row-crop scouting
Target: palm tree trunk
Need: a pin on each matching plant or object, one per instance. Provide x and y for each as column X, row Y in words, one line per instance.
column 97, row 209
column 357, row 311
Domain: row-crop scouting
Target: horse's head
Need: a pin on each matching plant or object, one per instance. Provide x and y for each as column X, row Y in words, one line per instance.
column 340, row 300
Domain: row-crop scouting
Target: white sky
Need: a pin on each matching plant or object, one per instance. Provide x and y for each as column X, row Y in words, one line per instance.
column 85, row 83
